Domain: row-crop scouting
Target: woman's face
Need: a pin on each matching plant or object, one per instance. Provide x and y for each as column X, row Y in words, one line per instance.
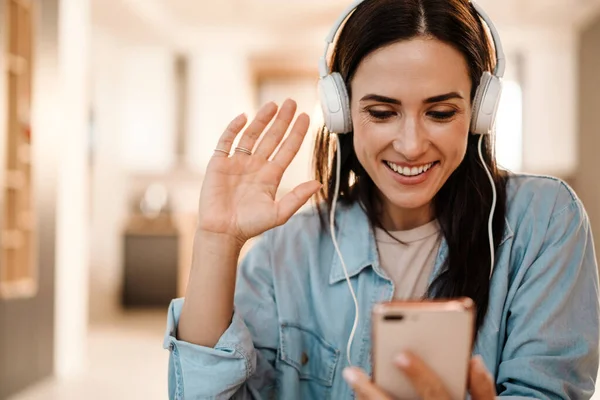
column 411, row 112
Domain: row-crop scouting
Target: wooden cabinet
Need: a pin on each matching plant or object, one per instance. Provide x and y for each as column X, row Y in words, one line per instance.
column 151, row 263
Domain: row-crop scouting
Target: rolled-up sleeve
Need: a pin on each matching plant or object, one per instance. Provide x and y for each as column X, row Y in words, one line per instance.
column 240, row 365
column 551, row 350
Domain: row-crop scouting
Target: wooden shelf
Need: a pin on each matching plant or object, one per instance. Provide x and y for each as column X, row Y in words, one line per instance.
column 15, row 179
column 16, row 64
column 18, row 269
column 13, row 240
column 24, row 154
column 18, row 289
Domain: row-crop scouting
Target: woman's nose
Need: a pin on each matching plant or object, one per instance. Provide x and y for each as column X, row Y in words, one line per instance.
column 411, row 142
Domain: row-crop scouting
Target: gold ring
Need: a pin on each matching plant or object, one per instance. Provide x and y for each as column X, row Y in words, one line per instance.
column 222, row 151
column 243, row 150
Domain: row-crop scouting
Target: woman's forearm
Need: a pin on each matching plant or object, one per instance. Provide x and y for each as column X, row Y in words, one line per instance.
column 208, row 306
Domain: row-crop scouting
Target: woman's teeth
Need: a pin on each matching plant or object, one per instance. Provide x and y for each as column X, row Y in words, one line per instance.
column 409, row 171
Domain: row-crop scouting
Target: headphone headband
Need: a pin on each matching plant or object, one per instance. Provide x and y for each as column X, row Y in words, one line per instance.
column 500, row 59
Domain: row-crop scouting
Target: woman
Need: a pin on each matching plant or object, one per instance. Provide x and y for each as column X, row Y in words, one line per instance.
column 412, row 222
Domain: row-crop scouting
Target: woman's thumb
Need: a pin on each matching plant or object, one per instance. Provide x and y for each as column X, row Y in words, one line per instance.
column 291, row 202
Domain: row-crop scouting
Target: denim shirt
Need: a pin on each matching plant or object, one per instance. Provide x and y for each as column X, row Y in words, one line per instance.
column 294, row 312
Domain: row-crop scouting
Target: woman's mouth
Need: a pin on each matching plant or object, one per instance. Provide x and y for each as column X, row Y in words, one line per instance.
column 410, row 172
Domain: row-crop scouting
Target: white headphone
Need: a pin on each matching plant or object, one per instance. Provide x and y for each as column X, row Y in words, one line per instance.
column 335, row 101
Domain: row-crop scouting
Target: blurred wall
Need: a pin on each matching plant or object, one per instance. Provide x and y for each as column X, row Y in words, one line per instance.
column 147, row 107
column 136, row 121
column 548, row 63
column 134, row 125
column 587, row 180
column 27, row 325
column 220, row 87
column 108, row 188
column 71, row 140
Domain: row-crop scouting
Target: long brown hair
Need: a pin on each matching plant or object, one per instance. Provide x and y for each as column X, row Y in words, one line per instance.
column 463, row 204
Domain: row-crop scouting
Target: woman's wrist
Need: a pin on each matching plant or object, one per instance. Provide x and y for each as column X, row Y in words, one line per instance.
column 221, row 244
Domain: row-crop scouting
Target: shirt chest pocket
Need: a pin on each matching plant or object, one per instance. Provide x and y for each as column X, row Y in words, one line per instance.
column 311, row 356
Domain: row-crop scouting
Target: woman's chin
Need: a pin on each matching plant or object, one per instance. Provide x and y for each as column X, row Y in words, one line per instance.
column 409, row 201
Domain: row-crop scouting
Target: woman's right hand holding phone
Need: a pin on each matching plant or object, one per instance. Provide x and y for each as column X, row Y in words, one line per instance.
column 426, row 383
column 237, row 203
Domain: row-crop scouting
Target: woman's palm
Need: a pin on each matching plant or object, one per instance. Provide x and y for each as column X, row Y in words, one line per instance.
column 238, row 193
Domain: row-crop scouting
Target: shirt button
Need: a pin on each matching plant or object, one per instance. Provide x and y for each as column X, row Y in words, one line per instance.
column 304, row 359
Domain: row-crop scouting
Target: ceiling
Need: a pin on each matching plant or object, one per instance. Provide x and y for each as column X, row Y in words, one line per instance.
column 282, row 14
column 270, row 28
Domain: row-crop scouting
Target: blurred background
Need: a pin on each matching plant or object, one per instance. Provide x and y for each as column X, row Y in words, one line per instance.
column 109, row 112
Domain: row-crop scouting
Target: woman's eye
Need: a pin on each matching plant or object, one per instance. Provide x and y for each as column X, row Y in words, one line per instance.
column 381, row 115
column 442, row 115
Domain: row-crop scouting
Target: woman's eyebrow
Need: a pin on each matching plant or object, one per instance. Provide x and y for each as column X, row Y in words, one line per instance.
column 435, row 99
column 443, row 97
column 380, row 98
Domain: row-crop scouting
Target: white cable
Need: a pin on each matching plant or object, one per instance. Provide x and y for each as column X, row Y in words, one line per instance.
column 491, row 219
column 337, row 248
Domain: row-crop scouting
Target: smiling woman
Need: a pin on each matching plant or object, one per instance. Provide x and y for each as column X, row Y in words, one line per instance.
column 411, row 103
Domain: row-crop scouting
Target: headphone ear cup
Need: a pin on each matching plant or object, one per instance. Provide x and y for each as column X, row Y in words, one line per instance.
column 485, row 104
column 477, row 101
column 335, row 103
column 344, row 101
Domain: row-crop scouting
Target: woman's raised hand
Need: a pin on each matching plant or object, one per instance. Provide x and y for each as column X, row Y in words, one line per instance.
column 238, row 193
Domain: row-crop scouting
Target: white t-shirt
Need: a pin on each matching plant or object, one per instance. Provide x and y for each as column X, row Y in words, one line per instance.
column 410, row 263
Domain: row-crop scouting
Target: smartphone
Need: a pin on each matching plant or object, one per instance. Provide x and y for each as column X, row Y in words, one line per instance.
column 439, row 332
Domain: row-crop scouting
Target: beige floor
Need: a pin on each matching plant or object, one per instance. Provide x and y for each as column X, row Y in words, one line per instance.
column 126, row 361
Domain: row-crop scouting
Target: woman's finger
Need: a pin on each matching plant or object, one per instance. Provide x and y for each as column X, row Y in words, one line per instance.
column 425, row 381
column 273, row 137
column 292, row 201
column 223, row 148
column 364, row 388
column 481, row 383
column 257, row 126
column 292, row 143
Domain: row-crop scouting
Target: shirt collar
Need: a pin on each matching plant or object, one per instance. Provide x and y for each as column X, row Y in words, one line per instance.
column 357, row 244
